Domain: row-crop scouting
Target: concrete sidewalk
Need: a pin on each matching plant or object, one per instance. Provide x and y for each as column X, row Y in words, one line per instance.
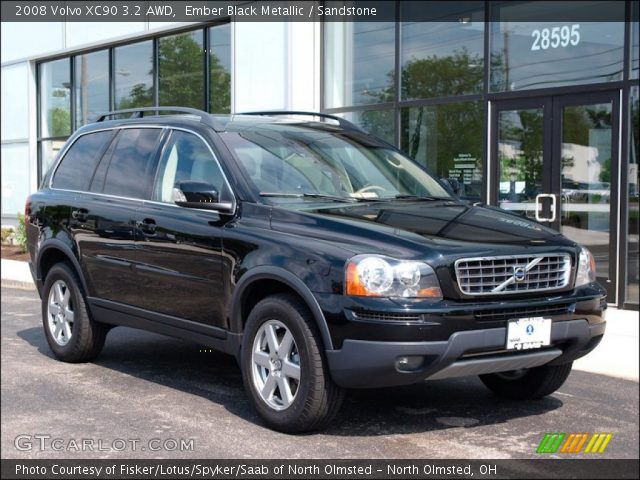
column 616, row 356
column 16, row 274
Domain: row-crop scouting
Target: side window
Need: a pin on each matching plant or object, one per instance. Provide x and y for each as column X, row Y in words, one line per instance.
column 132, row 166
column 79, row 163
column 187, row 158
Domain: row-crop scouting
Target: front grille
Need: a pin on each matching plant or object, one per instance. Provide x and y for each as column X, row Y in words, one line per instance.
column 386, row 317
column 523, row 312
column 513, row 274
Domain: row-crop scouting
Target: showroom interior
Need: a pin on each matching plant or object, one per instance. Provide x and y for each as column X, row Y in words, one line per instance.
column 530, row 109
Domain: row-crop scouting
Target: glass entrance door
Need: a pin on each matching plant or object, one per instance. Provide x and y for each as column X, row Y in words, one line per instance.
column 554, row 161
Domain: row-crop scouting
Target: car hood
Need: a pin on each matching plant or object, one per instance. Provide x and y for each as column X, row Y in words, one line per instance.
column 451, row 225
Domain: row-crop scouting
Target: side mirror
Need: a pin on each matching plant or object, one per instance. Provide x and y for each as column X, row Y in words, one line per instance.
column 199, row 195
column 453, row 184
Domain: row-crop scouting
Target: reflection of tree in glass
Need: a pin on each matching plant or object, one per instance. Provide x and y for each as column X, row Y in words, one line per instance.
column 60, row 122
column 458, row 74
column 181, row 79
column 181, row 71
column 220, row 86
column 453, row 129
column 527, row 166
column 458, row 126
column 139, row 96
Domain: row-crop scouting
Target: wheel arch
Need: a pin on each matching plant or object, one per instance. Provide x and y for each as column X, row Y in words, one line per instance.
column 259, row 283
column 53, row 252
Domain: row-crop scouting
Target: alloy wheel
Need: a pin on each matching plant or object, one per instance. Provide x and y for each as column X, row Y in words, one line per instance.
column 275, row 365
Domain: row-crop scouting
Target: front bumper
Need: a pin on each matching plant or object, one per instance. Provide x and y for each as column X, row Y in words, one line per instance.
column 366, row 364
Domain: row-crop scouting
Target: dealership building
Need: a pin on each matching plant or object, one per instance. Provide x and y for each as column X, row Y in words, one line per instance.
column 530, row 106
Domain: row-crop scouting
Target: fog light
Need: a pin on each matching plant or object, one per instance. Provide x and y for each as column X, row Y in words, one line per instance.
column 409, row 363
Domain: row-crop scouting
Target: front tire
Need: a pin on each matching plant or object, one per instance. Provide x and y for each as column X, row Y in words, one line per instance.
column 283, row 367
column 529, row 384
column 72, row 334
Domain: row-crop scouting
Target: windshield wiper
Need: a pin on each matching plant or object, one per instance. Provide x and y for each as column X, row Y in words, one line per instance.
column 426, row 198
column 322, row 196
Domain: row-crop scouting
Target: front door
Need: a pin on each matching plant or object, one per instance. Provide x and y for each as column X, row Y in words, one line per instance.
column 553, row 160
column 179, row 250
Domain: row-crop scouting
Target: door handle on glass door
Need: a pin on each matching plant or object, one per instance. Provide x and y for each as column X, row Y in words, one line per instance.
column 539, row 206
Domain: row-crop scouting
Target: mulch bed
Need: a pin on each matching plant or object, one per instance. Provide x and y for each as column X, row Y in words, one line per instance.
column 12, row 252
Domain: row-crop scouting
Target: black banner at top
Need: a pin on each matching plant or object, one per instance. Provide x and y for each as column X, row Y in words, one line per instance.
column 304, row 11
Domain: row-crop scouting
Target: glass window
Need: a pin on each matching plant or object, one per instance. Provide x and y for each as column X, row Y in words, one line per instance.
column 447, row 139
column 55, row 98
column 633, row 206
column 49, row 149
column 133, row 76
column 380, row 123
column 91, row 77
column 220, row 68
column 77, row 166
column 444, row 57
column 188, row 159
column 131, row 170
column 635, row 42
column 549, row 53
column 359, row 63
column 181, row 70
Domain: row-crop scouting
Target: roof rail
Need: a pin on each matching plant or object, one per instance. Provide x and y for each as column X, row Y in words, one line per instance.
column 139, row 112
column 341, row 121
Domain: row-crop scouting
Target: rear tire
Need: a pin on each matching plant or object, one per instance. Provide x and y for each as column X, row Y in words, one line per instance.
column 72, row 334
column 533, row 383
column 283, row 367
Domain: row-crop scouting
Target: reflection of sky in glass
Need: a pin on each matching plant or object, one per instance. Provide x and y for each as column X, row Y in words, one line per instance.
column 597, row 56
column 92, row 85
column 220, row 49
column 220, row 44
column 440, row 39
column 54, row 93
column 133, row 66
column 462, row 30
column 635, row 41
column 373, row 61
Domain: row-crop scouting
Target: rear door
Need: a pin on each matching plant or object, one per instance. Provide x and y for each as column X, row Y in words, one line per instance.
column 104, row 222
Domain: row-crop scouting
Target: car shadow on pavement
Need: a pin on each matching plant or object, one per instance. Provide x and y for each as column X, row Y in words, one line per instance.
column 189, row 368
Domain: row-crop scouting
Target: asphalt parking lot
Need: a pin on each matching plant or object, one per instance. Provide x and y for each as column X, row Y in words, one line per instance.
column 153, row 393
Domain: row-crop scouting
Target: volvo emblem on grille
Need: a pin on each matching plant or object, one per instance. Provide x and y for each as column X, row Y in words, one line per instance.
column 519, row 273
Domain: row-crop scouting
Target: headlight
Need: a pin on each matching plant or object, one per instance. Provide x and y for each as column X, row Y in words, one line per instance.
column 378, row 276
column 586, row 268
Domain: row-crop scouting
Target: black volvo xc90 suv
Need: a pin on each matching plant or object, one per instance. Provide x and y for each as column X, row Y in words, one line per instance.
column 319, row 256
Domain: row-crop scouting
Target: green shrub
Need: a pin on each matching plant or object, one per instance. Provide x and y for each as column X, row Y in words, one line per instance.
column 21, row 233
column 6, row 233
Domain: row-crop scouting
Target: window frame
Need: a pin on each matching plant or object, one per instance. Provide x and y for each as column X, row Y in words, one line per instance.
column 163, row 150
column 163, row 142
column 110, row 48
column 100, row 156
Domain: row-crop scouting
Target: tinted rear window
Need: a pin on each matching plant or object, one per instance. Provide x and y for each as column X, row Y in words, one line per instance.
column 79, row 163
column 132, row 166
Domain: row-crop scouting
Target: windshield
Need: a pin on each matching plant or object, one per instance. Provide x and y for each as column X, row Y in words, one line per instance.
column 293, row 163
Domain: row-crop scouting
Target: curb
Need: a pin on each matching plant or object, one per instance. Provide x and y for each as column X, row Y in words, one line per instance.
column 6, row 283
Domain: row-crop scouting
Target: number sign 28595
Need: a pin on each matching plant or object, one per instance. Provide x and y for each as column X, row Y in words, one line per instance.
column 555, row 37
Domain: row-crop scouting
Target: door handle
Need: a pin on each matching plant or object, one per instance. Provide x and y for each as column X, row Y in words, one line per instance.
column 81, row 215
column 540, row 218
column 148, row 225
